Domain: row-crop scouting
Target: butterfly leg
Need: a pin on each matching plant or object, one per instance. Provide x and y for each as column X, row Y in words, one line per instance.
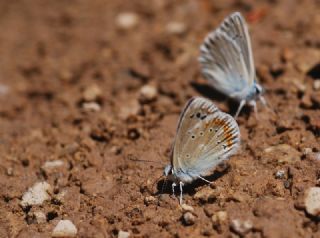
column 181, row 185
column 173, row 185
column 241, row 105
column 253, row 104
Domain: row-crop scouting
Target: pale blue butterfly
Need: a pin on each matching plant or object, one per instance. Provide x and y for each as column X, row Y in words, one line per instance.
column 205, row 137
column 227, row 62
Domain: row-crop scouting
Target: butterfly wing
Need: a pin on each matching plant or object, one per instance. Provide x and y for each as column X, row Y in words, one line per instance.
column 236, row 28
column 226, row 58
column 205, row 137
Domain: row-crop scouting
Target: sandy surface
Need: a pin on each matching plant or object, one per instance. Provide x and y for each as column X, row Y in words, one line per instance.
column 71, row 75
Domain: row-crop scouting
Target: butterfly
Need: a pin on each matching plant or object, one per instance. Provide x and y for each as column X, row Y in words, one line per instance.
column 227, row 62
column 205, row 137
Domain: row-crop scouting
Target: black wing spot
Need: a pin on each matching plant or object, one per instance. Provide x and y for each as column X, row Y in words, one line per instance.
column 216, row 130
column 201, row 133
column 218, row 142
column 224, row 147
column 193, row 136
column 192, row 116
column 203, row 117
column 198, row 114
column 211, row 130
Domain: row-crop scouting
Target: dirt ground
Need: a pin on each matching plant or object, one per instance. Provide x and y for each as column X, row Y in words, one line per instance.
column 72, row 91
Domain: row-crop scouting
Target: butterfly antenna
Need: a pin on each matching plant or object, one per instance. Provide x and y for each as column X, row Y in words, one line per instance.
column 133, row 158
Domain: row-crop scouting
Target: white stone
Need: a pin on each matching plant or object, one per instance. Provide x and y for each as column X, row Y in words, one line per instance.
column 40, row 217
column 176, row 28
column 219, row 217
column 52, row 164
column 241, row 227
column 91, row 106
column 280, row 174
column 127, row 20
column 312, row 201
column 65, row 228
column 36, row 195
column 316, row 84
column 123, row 234
column 189, row 218
column 148, row 93
column 187, row 208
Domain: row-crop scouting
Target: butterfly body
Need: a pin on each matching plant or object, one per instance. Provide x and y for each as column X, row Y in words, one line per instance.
column 227, row 62
column 205, row 137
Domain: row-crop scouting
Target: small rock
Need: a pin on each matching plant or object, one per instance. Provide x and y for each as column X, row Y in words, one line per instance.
column 316, row 84
column 123, row 234
column 219, row 217
column 187, row 208
column 91, row 106
column 176, row 28
column 280, row 174
column 91, row 93
column 189, row 218
column 3, row 89
column 284, row 153
column 150, row 200
column 131, row 109
column 36, row 195
column 241, row 227
column 312, row 201
column 127, row 20
column 148, row 93
column 306, row 151
column 206, row 194
column 9, row 171
column 65, row 228
column 39, row 217
column 52, row 164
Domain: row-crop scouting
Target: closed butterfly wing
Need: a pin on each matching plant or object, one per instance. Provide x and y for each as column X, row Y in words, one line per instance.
column 205, row 137
column 236, row 27
column 226, row 58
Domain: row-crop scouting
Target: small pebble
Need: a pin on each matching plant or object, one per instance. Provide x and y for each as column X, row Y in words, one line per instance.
column 123, row 234
column 52, row 164
column 3, row 89
column 280, row 174
column 316, row 84
column 65, row 228
column 219, row 217
column 9, row 171
column 187, row 208
column 36, row 195
column 176, row 28
column 306, row 151
column 40, row 217
column 131, row 109
column 284, row 153
column 312, row 201
column 127, row 20
column 92, row 93
column 189, row 218
column 150, row 200
column 206, row 194
column 148, row 93
column 91, row 106
column 241, row 227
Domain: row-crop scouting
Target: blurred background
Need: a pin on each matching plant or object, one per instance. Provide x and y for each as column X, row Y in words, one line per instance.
column 85, row 84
